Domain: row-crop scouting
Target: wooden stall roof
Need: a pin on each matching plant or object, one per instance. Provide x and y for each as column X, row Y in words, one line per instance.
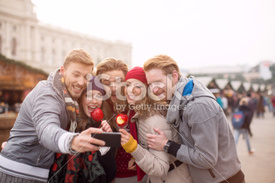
column 205, row 80
column 15, row 75
column 223, row 83
column 262, row 87
column 236, row 85
column 255, row 87
column 247, row 86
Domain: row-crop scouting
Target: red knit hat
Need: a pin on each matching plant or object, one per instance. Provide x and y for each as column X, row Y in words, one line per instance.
column 136, row 73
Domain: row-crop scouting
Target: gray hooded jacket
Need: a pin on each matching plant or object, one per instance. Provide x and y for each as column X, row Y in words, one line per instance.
column 38, row 132
column 207, row 144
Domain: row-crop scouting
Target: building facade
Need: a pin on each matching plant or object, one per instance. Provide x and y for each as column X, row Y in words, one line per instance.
column 23, row 37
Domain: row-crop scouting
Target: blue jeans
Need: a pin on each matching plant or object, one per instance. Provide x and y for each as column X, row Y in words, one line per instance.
column 245, row 134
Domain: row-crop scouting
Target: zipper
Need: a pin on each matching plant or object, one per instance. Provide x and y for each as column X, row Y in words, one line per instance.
column 211, row 173
column 39, row 157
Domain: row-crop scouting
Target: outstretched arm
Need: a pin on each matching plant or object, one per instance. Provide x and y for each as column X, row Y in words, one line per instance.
column 84, row 142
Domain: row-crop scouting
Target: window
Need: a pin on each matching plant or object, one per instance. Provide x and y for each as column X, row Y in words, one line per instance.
column 0, row 44
column 13, row 46
column 52, row 57
column 42, row 55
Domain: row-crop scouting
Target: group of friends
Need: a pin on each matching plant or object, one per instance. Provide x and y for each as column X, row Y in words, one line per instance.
column 176, row 132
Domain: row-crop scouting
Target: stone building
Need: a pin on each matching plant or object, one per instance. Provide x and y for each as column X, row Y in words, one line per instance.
column 23, row 37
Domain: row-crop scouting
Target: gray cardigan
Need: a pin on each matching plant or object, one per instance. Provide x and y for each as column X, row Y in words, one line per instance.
column 207, row 144
column 38, row 132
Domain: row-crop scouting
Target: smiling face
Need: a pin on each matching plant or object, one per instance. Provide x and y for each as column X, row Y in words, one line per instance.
column 135, row 91
column 161, row 86
column 75, row 76
column 114, row 81
column 90, row 101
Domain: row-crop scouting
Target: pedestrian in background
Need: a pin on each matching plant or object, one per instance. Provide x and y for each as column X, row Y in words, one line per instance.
column 251, row 105
column 273, row 104
column 260, row 106
column 243, row 130
column 224, row 104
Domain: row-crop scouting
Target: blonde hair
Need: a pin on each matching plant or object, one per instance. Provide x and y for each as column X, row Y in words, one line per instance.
column 243, row 101
column 110, row 64
column 163, row 62
column 148, row 107
column 79, row 56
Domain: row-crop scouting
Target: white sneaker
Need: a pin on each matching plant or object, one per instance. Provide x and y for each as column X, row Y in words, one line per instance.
column 252, row 151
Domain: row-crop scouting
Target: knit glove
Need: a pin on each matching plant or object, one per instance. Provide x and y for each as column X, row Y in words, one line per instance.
column 130, row 146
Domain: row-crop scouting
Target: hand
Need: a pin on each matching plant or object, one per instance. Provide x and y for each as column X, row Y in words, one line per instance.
column 132, row 164
column 85, row 142
column 157, row 142
column 128, row 143
column 105, row 126
column 125, row 136
column 3, row 144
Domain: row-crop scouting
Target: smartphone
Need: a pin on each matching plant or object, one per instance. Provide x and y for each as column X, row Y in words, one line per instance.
column 112, row 139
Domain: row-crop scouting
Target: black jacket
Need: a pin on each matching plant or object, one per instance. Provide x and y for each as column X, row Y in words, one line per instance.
column 247, row 113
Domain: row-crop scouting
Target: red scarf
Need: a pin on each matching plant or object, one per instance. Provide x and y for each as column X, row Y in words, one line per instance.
column 133, row 131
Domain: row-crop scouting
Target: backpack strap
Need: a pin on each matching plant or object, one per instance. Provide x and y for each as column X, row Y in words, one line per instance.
column 183, row 103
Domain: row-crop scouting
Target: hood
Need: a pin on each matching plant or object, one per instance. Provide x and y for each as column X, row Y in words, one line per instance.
column 179, row 102
column 54, row 80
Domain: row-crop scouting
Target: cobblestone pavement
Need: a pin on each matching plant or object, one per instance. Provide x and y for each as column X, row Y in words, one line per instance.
column 260, row 166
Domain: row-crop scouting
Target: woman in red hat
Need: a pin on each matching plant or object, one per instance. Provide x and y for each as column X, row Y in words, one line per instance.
column 150, row 114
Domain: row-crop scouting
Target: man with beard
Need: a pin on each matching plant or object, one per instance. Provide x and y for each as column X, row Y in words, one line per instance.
column 41, row 127
column 207, row 143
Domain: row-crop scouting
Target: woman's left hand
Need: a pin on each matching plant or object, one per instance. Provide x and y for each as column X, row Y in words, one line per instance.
column 132, row 164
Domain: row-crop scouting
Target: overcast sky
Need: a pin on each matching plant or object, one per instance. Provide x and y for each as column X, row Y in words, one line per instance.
column 196, row 33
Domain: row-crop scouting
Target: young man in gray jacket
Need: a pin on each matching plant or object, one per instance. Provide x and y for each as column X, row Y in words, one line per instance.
column 207, row 144
column 41, row 127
